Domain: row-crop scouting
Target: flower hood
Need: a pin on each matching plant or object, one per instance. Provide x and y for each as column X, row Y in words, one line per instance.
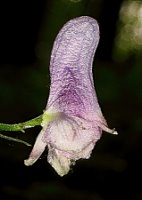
column 73, row 121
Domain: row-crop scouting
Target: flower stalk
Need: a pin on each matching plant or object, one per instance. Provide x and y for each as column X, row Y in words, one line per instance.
column 37, row 121
column 21, row 126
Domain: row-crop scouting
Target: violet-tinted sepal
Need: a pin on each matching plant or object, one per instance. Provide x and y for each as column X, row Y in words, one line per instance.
column 78, row 121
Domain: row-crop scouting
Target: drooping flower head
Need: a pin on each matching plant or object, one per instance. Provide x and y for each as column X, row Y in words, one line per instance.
column 76, row 121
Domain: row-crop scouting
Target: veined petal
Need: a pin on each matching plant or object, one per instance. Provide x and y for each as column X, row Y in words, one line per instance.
column 71, row 135
column 77, row 121
column 72, row 89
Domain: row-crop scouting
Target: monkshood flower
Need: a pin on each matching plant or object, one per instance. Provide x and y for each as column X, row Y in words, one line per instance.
column 73, row 121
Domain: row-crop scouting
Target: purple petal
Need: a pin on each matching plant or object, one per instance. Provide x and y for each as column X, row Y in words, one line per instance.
column 72, row 89
column 79, row 123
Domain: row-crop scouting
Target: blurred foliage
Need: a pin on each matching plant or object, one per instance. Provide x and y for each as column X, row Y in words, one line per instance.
column 128, row 40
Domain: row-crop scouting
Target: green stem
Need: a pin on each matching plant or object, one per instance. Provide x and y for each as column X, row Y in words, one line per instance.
column 41, row 120
column 14, row 139
column 21, row 126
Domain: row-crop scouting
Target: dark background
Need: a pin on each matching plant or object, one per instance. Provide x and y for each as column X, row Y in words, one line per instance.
column 27, row 31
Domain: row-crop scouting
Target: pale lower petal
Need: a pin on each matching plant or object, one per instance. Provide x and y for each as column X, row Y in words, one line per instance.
column 58, row 161
column 71, row 135
column 38, row 149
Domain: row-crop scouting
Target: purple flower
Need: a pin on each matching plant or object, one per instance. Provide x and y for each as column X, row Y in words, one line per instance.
column 73, row 121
